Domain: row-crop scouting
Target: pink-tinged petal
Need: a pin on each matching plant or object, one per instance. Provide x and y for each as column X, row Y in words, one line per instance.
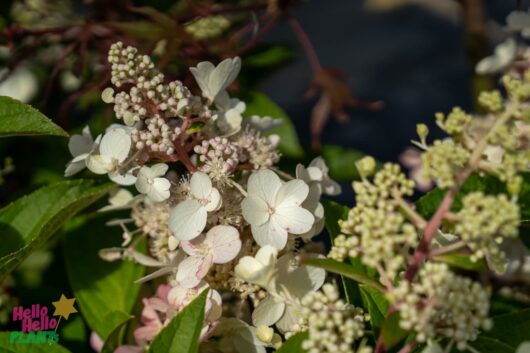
column 224, row 243
column 96, row 342
column 269, row 233
column 146, row 333
column 158, row 304
column 192, row 270
column 293, row 219
column 192, row 246
column 201, row 185
column 264, row 184
column 187, row 220
column 149, row 314
column 268, row 312
column 162, row 291
column 292, row 193
column 255, row 210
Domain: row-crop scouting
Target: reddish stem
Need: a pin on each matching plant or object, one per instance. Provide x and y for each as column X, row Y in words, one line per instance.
column 306, row 44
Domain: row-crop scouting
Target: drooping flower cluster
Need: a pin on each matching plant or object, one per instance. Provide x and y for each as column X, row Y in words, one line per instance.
column 219, row 224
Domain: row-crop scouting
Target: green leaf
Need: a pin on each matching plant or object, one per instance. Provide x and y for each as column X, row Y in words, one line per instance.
column 6, row 346
column 30, row 221
column 260, row 104
column 105, row 291
column 508, row 332
column 182, row 333
column 345, row 270
column 294, row 344
column 341, row 162
column 115, row 338
column 391, row 332
column 268, row 56
column 17, row 119
column 428, row 203
column 462, row 261
column 377, row 306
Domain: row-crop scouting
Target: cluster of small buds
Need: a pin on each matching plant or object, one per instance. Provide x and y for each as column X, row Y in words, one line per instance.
column 377, row 222
column 208, row 27
column 344, row 247
column 157, row 137
column 455, row 123
column 442, row 304
column 485, row 221
column 149, row 94
column 259, row 151
column 218, row 158
column 442, row 161
column 491, row 100
column 333, row 325
column 517, row 89
column 151, row 218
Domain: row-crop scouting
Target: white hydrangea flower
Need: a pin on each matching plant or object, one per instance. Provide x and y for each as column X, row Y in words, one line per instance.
column 113, row 150
column 523, row 347
column 282, row 306
column 188, row 219
column 504, row 54
column 230, row 115
column 220, row 245
column 274, row 208
column 259, row 269
column 150, row 182
column 80, row 147
column 318, row 172
column 119, row 200
column 519, row 21
column 213, row 80
column 179, row 297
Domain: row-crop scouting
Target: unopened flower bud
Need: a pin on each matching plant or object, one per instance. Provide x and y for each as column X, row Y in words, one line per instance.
column 366, row 166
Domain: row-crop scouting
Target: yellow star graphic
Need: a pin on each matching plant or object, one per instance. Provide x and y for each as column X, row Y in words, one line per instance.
column 64, row 307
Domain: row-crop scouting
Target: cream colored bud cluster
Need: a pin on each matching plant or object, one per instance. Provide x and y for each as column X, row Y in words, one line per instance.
column 517, row 89
column 157, row 136
column 333, row 325
column 375, row 227
column 259, row 151
column 218, row 158
column 148, row 95
column 485, row 221
column 455, row 123
column 440, row 304
column 491, row 100
column 442, row 161
column 208, row 27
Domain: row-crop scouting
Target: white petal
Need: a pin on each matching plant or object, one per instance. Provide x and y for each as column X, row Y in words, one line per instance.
column 269, row 233
column 224, row 243
column 191, row 247
column 192, row 270
column 248, row 269
column 294, row 192
column 201, row 185
column 125, row 179
column 518, row 20
column 223, row 75
column 116, row 143
column 172, row 243
column 255, row 210
column 100, row 164
column 214, row 201
column 264, row 184
column 159, row 169
column 331, row 187
column 160, row 190
column 187, row 220
column 268, row 312
column 80, row 144
column 290, row 319
column 202, row 75
column 302, row 280
column 214, row 306
column 267, row 255
column 293, row 219
column 74, row 168
column 142, row 182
